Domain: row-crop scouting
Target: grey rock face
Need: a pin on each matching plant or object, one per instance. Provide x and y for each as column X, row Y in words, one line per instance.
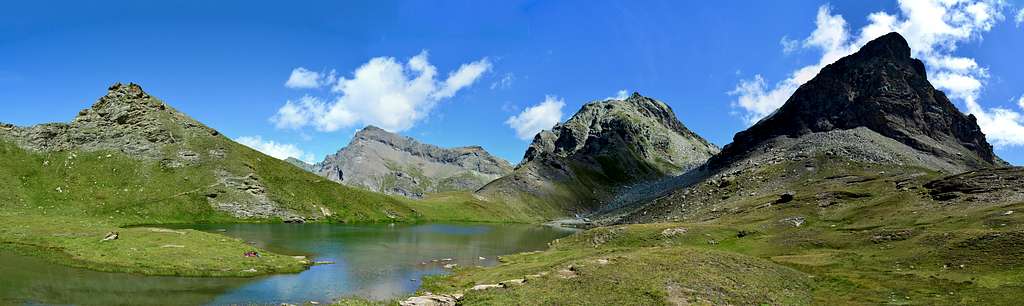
column 995, row 185
column 605, row 147
column 390, row 163
column 301, row 164
column 885, row 90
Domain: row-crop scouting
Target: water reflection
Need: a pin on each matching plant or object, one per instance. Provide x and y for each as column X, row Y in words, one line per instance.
column 371, row 261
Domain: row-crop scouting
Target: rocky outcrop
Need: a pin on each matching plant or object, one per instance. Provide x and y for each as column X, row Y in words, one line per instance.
column 168, row 152
column 607, row 146
column 385, row 162
column 126, row 119
column 880, row 88
column 996, row 185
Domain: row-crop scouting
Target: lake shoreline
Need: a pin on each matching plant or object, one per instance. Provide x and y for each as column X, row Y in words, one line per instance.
column 393, row 256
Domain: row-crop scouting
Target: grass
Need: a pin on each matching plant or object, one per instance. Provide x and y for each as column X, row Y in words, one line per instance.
column 77, row 242
column 871, row 236
column 466, row 207
column 58, row 205
column 631, row 276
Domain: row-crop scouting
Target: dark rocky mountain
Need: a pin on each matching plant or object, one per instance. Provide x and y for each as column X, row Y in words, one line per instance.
column 605, row 147
column 869, row 117
column 385, row 162
column 880, row 88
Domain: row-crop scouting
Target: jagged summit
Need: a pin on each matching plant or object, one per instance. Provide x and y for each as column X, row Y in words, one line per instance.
column 883, row 89
column 891, row 45
column 387, row 162
column 121, row 90
column 607, row 145
column 126, row 119
column 597, row 123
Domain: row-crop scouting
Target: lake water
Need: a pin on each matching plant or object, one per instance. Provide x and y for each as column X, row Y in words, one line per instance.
column 370, row 261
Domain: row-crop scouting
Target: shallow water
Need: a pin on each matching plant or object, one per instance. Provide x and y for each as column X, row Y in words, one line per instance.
column 370, row 261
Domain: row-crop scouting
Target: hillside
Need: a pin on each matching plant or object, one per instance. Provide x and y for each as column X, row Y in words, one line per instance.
column 131, row 159
column 874, row 107
column 868, row 183
column 134, row 155
column 606, row 147
column 385, row 162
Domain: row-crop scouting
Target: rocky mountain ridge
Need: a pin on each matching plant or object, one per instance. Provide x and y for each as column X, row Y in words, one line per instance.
column 880, row 88
column 874, row 109
column 607, row 145
column 386, row 162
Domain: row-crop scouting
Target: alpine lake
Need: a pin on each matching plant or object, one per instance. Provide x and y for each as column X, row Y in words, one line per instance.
column 377, row 262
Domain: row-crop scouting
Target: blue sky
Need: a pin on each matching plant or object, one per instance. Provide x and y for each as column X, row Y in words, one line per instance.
column 501, row 69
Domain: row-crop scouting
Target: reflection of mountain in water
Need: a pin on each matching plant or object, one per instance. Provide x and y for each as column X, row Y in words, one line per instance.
column 375, row 261
column 45, row 283
column 371, row 261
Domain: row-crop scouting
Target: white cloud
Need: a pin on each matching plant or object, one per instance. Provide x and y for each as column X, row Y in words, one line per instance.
column 622, row 94
column 933, row 28
column 296, row 114
column 505, row 82
column 537, row 118
column 1020, row 17
column 465, row 76
column 382, row 92
column 305, row 78
column 1020, row 102
column 1002, row 127
column 274, row 149
column 789, row 45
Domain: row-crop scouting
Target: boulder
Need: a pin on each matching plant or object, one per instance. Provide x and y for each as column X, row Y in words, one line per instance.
column 432, row 300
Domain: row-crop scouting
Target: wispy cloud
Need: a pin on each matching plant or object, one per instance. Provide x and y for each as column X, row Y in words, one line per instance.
column 537, row 118
column 382, row 92
column 302, row 78
column 622, row 94
column 275, row 149
column 789, row 45
column 933, row 28
column 505, row 82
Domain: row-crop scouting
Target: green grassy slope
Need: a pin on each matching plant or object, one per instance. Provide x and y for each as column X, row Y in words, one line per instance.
column 871, row 234
column 59, row 203
column 104, row 191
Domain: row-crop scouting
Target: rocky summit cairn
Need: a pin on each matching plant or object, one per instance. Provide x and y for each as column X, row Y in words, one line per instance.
column 883, row 89
column 605, row 146
column 126, row 119
column 386, row 162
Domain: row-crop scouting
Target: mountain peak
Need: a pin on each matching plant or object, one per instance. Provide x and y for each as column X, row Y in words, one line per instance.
column 604, row 146
column 126, row 119
column 372, row 129
column 376, row 134
column 891, row 45
column 635, row 95
column 130, row 90
column 395, row 164
column 883, row 89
